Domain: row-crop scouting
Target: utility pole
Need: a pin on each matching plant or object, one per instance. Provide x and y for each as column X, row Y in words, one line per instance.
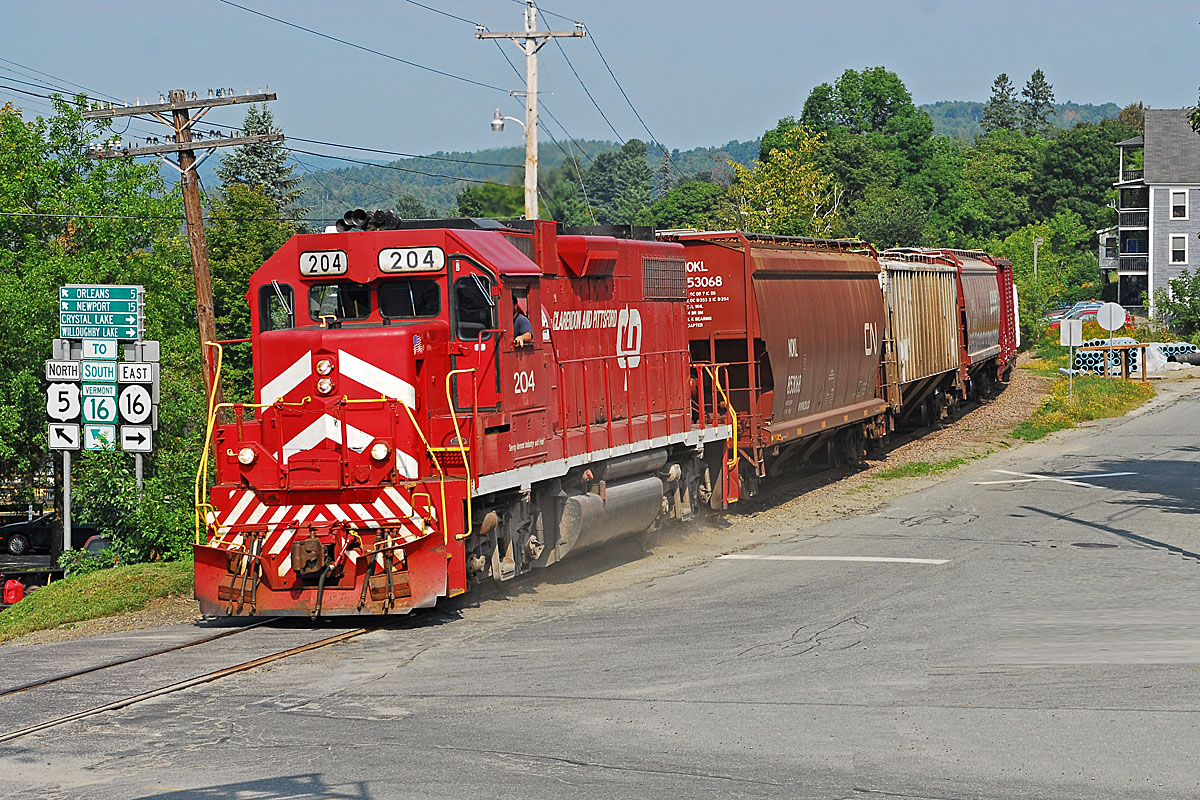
column 530, row 41
column 184, row 113
column 1037, row 242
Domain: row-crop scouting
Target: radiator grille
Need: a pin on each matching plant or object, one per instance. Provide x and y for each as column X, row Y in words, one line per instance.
column 664, row 279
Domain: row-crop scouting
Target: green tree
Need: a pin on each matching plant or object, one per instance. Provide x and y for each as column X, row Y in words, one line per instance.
column 241, row 237
column 890, row 217
column 495, row 200
column 619, row 184
column 1077, row 172
column 788, row 195
column 562, row 198
column 693, row 204
column 1134, row 116
column 264, row 164
column 999, row 176
column 409, row 206
column 131, row 235
column 1179, row 305
column 1037, row 105
column 858, row 101
column 1001, row 112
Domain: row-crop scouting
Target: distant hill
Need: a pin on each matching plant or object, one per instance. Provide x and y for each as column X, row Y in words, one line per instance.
column 346, row 185
column 960, row 118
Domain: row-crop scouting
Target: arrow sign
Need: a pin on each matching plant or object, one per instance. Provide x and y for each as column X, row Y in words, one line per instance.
column 99, row 437
column 92, row 291
column 63, row 436
column 99, row 331
column 137, row 438
column 99, row 306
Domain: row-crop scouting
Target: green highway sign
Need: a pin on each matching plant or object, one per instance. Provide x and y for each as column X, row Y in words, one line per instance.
column 99, row 292
column 99, row 332
column 93, row 318
column 99, row 306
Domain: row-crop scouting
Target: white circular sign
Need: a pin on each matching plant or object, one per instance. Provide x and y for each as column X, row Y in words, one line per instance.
column 134, row 404
column 1110, row 316
column 62, row 401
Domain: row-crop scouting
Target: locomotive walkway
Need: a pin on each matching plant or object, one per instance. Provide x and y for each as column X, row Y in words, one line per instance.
column 1027, row 627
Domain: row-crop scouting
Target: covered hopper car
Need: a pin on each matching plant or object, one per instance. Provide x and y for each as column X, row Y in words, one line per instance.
column 440, row 403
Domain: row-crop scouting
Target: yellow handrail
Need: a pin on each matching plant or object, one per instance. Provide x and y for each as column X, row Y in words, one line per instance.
column 461, row 449
column 202, row 470
column 715, row 372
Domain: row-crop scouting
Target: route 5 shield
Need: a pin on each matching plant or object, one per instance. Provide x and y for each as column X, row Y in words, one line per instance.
column 62, row 401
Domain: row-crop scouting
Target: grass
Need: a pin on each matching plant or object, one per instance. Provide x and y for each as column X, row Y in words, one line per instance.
column 1095, row 398
column 920, row 469
column 100, row 594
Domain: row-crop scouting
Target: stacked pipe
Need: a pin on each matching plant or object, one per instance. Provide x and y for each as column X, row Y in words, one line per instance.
column 381, row 219
column 1172, row 351
column 1094, row 360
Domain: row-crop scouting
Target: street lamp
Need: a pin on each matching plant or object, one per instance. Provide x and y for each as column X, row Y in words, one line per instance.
column 1037, row 240
column 498, row 122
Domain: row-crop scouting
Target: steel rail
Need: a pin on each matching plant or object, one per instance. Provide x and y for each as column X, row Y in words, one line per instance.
column 118, row 662
column 208, row 677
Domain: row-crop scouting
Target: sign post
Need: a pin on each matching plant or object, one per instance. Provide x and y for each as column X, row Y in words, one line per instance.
column 1110, row 316
column 1070, row 334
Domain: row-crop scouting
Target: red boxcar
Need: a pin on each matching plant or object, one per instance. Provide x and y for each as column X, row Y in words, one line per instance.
column 403, row 446
column 799, row 324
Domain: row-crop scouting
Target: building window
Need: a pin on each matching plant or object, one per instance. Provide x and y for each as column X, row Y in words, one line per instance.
column 1178, row 249
column 1179, row 205
column 1110, row 247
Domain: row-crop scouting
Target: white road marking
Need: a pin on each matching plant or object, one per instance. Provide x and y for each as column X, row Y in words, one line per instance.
column 869, row 559
column 1033, row 477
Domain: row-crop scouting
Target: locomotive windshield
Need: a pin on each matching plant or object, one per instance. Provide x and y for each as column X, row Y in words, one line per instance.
column 343, row 301
column 410, row 298
column 473, row 298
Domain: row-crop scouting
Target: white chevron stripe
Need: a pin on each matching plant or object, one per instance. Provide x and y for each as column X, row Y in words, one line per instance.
column 238, row 509
column 302, row 513
column 285, row 565
column 326, row 427
column 406, row 465
column 278, row 387
column 257, row 515
column 386, row 512
column 282, row 542
column 364, row 515
column 336, row 510
column 372, row 377
column 279, row 514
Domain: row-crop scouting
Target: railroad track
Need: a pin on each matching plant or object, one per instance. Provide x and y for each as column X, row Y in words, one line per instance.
column 171, row 688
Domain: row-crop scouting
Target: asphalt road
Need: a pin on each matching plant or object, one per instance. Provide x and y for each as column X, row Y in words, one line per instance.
column 1051, row 654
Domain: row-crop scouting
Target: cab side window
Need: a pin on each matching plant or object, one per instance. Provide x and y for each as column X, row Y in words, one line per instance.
column 474, row 307
column 276, row 307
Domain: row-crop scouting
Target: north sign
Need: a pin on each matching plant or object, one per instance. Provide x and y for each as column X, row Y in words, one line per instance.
column 62, row 371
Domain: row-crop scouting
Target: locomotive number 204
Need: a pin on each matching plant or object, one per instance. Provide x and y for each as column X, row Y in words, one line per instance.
column 323, row 263
column 523, row 382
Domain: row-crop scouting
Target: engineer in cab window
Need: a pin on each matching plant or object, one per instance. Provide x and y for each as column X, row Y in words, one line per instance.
column 522, row 330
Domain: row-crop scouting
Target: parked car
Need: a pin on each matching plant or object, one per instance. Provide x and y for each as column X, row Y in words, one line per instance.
column 28, row 535
column 1087, row 313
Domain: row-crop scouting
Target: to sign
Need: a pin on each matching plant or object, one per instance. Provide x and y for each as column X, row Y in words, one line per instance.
column 62, row 401
column 99, row 409
column 100, row 348
column 63, row 436
column 99, row 437
column 135, row 404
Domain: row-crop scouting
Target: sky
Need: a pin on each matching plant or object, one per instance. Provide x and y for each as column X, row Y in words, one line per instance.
column 699, row 73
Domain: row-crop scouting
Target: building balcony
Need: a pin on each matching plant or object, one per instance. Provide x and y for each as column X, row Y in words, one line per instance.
column 1134, row 263
column 1133, row 219
column 1135, row 199
column 1133, row 174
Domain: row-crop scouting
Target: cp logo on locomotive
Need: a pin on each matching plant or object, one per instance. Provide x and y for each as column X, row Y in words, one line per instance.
column 629, row 338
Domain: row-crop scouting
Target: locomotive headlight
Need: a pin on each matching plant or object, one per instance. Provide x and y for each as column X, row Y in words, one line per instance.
column 379, row 451
column 246, row 456
column 325, row 385
column 324, row 366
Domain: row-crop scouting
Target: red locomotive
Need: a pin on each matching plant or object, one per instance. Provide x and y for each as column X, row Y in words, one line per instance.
column 442, row 403
column 404, row 445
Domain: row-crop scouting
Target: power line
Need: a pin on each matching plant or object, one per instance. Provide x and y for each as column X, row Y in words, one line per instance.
column 393, row 166
column 365, row 48
column 583, row 85
column 439, row 11
column 634, row 108
column 152, row 217
column 55, row 77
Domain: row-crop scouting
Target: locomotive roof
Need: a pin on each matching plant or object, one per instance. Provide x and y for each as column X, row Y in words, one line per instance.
column 493, row 247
